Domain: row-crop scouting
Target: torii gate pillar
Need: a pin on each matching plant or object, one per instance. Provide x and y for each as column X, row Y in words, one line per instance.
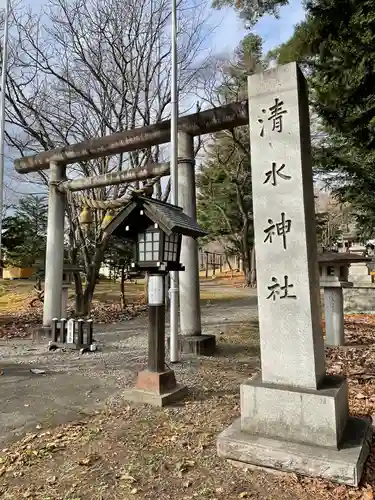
column 192, row 339
column 55, row 247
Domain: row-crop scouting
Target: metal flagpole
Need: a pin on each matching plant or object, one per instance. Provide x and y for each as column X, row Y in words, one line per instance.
column 2, row 114
column 173, row 291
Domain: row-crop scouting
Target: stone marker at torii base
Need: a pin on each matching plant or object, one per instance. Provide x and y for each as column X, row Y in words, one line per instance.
column 293, row 417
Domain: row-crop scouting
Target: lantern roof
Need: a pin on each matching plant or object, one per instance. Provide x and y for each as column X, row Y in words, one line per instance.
column 140, row 210
column 341, row 258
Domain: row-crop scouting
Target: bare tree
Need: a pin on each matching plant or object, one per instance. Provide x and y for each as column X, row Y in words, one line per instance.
column 83, row 69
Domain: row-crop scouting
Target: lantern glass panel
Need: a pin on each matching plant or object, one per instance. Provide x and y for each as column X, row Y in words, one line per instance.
column 148, row 246
column 171, row 247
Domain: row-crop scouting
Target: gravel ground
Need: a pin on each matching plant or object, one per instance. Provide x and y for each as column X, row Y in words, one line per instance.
column 75, row 385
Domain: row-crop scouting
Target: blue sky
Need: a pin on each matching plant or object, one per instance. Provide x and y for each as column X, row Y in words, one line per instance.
column 226, row 37
column 273, row 31
column 276, row 31
column 231, row 30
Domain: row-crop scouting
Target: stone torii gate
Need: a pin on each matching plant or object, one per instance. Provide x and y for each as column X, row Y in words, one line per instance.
column 56, row 160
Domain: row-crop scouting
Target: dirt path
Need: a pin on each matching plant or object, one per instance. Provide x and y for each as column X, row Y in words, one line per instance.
column 76, row 385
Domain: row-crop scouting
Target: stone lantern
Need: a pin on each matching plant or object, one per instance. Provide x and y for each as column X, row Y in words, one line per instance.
column 156, row 229
column 334, row 276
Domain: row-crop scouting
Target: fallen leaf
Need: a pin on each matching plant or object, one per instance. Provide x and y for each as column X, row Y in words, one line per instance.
column 37, row 371
column 244, row 494
column 183, row 466
column 360, row 395
column 134, row 491
column 294, row 478
column 367, row 495
column 180, row 466
column 87, row 461
column 339, row 492
column 127, row 477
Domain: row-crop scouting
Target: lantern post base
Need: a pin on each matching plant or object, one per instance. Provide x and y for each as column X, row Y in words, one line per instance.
column 156, row 385
column 156, row 389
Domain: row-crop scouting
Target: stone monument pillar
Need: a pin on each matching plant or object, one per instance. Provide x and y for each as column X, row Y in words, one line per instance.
column 293, row 417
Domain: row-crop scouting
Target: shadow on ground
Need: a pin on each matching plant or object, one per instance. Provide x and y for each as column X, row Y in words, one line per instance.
column 238, row 300
column 75, row 385
column 228, row 350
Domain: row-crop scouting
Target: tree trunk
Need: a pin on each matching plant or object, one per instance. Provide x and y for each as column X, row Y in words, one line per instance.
column 246, row 258
column 38, row 284
column 123, row 301
column 89, row 291
column 228, row 263
column 92, row 278
column 253, row 276
column 78, row 294
column 247, row 275
column 157, row 190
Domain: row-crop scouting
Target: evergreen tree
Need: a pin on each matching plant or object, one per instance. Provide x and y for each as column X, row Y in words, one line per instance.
column 225, row 200
column 252, row 10
column 224, row 183
column 336, row 45
column 25, row 232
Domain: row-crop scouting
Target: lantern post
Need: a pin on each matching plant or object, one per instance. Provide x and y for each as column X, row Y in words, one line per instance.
column 156, row 229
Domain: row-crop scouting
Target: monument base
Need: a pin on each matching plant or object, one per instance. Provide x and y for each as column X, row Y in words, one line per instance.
column 200, row 345
column 311, row 416
column 344, row 465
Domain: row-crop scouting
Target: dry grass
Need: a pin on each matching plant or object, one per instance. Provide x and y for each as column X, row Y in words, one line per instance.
column 16, row 294
column 13, row 295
